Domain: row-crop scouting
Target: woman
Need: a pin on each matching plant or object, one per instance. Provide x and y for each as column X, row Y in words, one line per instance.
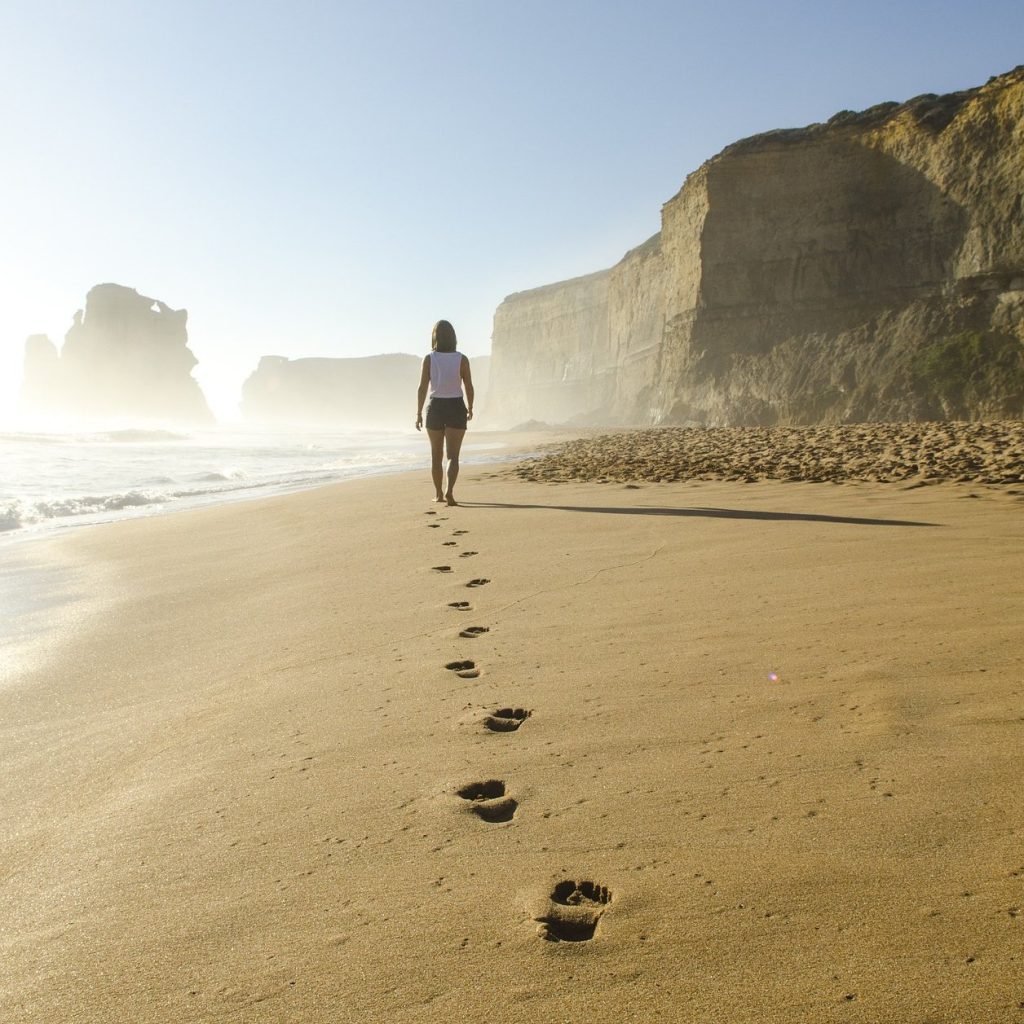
column 445, row 372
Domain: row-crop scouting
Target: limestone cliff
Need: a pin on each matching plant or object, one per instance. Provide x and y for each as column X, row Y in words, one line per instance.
column 867, row 268
column 125, row 355
column 366, row 392
column 550, row 350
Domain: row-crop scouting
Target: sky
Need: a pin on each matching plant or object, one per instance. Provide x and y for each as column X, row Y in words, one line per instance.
column 330, row 178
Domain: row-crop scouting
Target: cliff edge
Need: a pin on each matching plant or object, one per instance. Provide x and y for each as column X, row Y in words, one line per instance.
column 868, row 268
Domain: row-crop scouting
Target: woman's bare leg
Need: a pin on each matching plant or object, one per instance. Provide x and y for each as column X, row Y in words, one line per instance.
column 436, row 456
column 453, row 442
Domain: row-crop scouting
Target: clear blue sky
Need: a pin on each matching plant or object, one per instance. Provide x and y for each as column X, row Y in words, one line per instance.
column 329, row 178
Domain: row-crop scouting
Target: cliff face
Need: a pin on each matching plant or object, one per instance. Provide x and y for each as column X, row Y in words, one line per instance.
column 553, row 355
column 868, row 268
column 125, row 355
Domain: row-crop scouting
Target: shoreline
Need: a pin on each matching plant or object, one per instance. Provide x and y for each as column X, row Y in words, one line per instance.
column 135, row 500
column 234, row 794
column 41, row 603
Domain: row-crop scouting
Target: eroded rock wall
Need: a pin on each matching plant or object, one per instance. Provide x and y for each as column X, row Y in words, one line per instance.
column 553, row 356
column 637, row 303
column 868, row 268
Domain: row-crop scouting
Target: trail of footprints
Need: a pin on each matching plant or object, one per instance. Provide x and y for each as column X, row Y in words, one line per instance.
column 574, row 908
column 506, row 719
column 488, row 800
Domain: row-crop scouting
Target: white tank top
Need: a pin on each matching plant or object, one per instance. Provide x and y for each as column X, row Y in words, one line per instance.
column 446, row 374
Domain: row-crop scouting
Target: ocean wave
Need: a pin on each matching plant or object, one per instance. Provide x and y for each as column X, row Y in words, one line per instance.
column 222, row 476
column 10, row 516
column 284, row 482
column 126, row 436
column 16, row 514
column 21, row 438
column 76, row 478
column 131, row 436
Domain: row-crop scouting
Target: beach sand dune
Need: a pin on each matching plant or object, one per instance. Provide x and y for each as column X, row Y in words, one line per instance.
column 711, row 752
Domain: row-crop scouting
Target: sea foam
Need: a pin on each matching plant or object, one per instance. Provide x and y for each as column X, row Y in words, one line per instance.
column 72, row 478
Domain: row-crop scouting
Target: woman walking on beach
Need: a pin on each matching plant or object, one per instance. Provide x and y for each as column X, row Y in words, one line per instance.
column 445, row 372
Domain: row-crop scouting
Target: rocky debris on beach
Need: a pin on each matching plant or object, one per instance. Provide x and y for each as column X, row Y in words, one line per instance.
column 987, row 453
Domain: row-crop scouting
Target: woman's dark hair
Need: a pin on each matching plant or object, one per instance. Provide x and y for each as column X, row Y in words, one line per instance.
column 443, row 338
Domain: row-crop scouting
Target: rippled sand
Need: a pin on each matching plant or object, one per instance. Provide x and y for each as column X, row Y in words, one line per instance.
column 689, row 752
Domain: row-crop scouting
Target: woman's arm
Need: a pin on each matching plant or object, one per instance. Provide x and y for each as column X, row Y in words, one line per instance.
column 421, row 394
column 467, row 381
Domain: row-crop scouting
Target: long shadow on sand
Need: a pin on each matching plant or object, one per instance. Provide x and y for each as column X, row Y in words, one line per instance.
column 712, row 513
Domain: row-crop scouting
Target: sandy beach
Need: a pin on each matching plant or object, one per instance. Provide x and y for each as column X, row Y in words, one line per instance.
column 631, row 751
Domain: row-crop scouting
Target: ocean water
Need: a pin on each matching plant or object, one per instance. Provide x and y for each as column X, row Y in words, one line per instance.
column 57, row 480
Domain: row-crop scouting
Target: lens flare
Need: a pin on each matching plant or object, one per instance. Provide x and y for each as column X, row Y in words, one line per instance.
column 773, row 677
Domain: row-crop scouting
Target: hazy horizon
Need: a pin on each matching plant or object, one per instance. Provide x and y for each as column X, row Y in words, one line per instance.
column 328, row 180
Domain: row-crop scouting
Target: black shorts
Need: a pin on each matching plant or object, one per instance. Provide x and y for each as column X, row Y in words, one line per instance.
column 446, row 412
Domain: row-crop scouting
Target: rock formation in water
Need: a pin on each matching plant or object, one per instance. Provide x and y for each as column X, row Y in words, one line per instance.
column 869, row 268
column 125, row 355
column 366, row 392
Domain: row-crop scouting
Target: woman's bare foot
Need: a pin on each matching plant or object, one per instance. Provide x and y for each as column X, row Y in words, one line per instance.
column 440, row 497
column 451, row 500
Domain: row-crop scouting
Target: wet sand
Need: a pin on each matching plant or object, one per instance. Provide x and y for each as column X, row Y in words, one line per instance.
column 713, row 751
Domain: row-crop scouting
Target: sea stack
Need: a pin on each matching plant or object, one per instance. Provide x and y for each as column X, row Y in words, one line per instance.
column 126, row 354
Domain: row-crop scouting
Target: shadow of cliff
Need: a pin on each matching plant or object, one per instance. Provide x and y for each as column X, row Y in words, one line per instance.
column 711, row 513
column 824, row 265
column 803, row 238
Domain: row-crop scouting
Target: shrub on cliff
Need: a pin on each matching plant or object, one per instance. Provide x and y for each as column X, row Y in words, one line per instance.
column 972, row 370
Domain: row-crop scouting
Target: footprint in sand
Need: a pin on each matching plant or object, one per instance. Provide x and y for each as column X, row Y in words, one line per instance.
column 450, row 543
column 477, row 583
column 472, row 632
column 430, row 513
column 506, row 719
column 459, row 533
column 441, row 568
column 463, row 669
column 576, row 908
column 433, row 526
column 461, row 606
column 487, row 800
column 468, row 554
